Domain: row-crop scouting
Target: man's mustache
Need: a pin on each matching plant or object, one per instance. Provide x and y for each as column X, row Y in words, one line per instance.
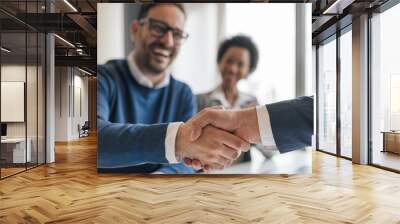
column 161, row 46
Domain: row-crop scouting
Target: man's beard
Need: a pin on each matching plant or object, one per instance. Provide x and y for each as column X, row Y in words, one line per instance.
column 154, row 70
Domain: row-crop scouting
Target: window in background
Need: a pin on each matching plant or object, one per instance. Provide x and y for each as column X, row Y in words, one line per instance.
column 385, row 87
column 395, row 102
column 327, row 96
column 346, row 94
column 274, row 78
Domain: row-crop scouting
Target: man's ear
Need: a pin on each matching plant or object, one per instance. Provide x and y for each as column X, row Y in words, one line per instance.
column 134, row 29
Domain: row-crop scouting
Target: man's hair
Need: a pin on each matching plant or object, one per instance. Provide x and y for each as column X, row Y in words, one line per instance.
column 243, row 42
column 145, row 8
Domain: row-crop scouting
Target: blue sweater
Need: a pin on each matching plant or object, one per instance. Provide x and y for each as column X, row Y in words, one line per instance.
column 133, row 120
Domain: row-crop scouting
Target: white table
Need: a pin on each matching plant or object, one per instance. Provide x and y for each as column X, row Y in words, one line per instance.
column 18, row 145
column 295, row 162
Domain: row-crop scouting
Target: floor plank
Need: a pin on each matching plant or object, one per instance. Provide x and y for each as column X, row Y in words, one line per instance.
column 71, row 191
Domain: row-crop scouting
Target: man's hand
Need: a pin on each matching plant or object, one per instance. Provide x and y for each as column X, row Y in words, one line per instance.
column 243, row 123
column 214, row 147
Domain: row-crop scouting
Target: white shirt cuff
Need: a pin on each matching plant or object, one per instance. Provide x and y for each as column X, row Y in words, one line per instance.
column 264, row 126
column 170, row 138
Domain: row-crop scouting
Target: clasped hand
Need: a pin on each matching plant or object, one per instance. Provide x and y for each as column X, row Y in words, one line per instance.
column 214, row 138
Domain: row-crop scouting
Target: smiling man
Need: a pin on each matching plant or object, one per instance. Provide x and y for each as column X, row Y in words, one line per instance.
column 141, row 107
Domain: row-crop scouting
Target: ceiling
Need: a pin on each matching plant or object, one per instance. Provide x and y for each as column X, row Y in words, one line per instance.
column 74, row 21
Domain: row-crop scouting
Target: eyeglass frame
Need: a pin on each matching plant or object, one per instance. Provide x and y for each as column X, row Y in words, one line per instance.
column 184, row 36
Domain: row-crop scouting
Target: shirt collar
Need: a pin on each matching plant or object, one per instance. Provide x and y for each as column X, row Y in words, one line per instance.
column 219, row 94
column 142, row 79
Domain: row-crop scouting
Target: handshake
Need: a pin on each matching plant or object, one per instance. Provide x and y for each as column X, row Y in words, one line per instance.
column 214, row 138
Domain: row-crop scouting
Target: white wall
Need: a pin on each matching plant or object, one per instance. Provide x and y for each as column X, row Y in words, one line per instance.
column 272, row 27
column 196, row 63
column 110, row 32
column 306, row 51
column 33, row 126
column 12, row 100
column 80, row 83
column 15, row 73
column 68, row 82
column 62, row 81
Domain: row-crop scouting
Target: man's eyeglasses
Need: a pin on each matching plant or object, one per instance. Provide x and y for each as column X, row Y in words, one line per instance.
column 159, row 29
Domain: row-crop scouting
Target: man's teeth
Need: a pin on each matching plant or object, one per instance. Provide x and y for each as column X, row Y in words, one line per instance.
column 162, row 52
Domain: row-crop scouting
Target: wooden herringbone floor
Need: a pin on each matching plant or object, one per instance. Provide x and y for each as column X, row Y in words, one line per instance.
column 70, row 191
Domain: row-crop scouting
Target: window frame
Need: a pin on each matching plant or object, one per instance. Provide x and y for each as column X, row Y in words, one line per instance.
column 334, row 37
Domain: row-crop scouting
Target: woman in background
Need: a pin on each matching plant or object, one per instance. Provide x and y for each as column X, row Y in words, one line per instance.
column 237, row 58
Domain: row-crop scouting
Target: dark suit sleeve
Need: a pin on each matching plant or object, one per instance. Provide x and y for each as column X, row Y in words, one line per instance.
column 292, row 123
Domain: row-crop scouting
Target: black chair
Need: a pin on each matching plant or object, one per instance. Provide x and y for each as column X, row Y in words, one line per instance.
column 84, row 130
